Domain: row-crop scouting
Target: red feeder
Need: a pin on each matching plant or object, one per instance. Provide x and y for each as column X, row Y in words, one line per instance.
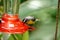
column 11, row 24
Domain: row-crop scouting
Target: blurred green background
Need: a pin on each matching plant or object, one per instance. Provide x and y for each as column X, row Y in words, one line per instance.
column 46, row 11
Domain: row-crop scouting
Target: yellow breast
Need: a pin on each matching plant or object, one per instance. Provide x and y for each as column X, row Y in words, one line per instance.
column 30, row 22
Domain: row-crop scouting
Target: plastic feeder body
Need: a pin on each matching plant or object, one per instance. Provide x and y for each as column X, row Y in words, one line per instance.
column 11, row 24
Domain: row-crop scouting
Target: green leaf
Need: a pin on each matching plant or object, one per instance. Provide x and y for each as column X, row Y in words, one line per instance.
column 25, row 36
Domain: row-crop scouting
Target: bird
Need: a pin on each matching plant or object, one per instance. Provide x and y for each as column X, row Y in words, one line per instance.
column 30, row 20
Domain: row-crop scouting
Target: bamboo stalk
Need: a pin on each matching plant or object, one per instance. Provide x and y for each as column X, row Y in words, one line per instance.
column 16, row 6
column 57, row 20
column 5, row 5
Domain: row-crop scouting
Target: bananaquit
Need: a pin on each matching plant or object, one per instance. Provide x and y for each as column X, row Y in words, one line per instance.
column 30, row 20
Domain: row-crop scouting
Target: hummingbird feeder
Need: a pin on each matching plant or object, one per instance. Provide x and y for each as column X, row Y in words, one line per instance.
column 10, row 23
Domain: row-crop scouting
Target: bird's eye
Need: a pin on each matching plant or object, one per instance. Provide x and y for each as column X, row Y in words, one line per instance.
column 33, row 19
